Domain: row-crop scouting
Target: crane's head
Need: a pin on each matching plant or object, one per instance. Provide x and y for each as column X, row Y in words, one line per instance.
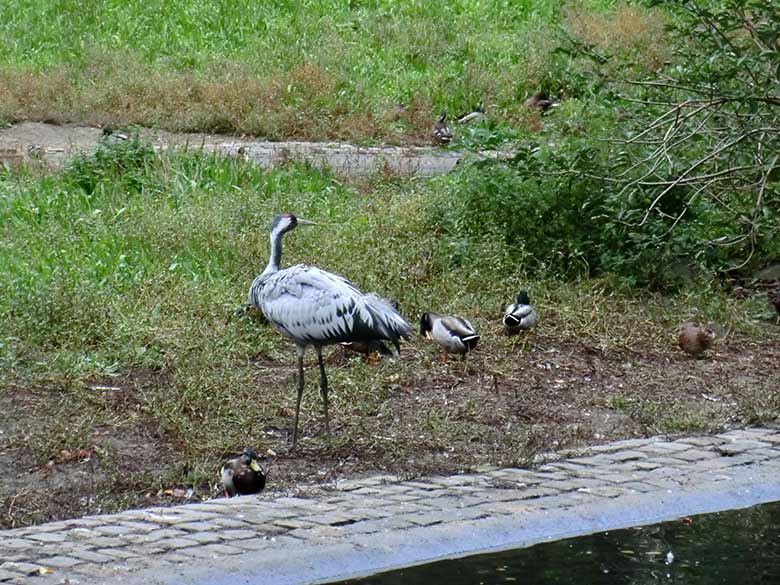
column 286, row 222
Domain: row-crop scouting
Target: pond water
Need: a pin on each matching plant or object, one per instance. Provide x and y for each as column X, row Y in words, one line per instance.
column 739, row 546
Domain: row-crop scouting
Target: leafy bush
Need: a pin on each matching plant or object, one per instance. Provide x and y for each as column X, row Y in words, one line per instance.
column 665, row 178
column 128, row 159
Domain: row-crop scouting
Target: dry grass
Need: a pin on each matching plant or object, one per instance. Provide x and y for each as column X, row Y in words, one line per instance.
column 626, row 29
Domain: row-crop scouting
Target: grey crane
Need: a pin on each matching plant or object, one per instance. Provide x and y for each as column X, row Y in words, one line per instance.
column 311, row 306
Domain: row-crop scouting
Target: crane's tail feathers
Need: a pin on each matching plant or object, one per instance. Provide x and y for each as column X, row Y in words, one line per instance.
column 387, row 320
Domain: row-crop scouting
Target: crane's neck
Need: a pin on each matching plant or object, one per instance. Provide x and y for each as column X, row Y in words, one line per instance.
column 276, row 253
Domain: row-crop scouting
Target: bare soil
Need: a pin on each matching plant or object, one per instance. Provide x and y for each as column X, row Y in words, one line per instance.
column 536, row 395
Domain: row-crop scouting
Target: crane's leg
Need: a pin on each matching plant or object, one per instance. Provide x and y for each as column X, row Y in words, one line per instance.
column 323, row 387
column 300, row 350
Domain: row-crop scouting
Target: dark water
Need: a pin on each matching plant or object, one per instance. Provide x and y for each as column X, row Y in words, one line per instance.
column 737, row 547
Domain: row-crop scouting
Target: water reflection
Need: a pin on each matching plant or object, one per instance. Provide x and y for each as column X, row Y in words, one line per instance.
column 740, row 546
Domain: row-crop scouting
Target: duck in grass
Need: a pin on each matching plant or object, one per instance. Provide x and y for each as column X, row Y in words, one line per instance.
column 475, row 115
column 694, row 339
column 453, row 333
column 520, row 316
column 441, row 132
column 243, row 475
column 540, row 101
column 366, row 348
column 774, row 298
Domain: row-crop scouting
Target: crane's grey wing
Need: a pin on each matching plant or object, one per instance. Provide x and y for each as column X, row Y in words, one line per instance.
column 314, row 305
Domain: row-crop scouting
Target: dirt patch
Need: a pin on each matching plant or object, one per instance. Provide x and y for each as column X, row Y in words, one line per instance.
column 535, row 395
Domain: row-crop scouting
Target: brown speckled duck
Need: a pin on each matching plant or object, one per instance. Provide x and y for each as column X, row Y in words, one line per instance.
column 774, row 298
column 539, row 101
column 695, row 339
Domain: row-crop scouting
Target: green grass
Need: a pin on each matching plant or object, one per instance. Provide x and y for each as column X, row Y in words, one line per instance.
column 281, row 70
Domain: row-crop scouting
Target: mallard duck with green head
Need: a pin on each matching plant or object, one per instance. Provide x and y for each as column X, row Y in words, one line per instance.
column 520, row 316
column 452, row 332
column 243, row 475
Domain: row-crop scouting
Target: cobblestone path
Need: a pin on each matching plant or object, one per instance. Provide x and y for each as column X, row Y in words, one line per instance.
column 382, row 522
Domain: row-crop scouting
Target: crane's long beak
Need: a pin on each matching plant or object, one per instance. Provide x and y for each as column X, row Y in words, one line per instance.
column 306, row 222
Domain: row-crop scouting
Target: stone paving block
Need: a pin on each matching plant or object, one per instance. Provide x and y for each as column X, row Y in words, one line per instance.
column 154, row 536
column 18, row 556
column 201, row 526
column 592, row 461
column 397, row 509
column 621, row 478
column 646, row 465
column 16, row 543
column 7, row 575
column 713, row 464
column 638, row 486
column 175, row 557
column 695, row 455
column 117, row 553
column 748, row 433
column 622, row 456
column 768, row 453
column 204, row 537
column 703, row 441
column 292, row 524
column 169, row 544
column 237, row 534
column 550, row 473
column 107, row 541
column 741, row 446
column 746, row 458
column 321, row 532
column 603, row 491
column 20, row 568
column 420, row 485
column 570, row 485
column 663, row 484
column 48, row 537
column 564, row 501
column 369, row 513
column 670, row 460
column 114, row 530
column 147, row 550
column 139, row 526
column 424, row 519
column 367, row 527
column 331, row 519
column 91, row 556
column 210, row 551
column 661, row 447
column 395, row 523
column 254, row 543
column 536, row 492
column 62, row 562
column 402, row 497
